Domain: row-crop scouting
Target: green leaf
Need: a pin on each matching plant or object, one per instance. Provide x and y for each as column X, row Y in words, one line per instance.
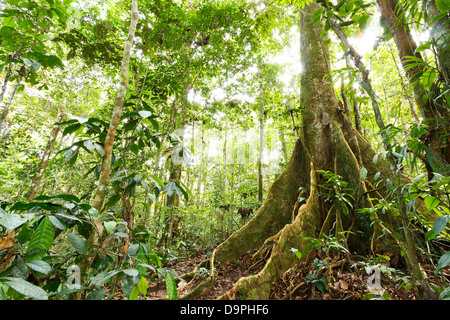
column 444, row 260
column 97, row 294
column 145, row 114
column 131, row 124
column 440, row 224
column 430, row 235
column 445, row 295
column 141, row 258
column 24, row 287
column 131, row 272
column 66, row 197
column 157, row 181
column 39, row 266
column 41, row 240
column 9, row 22
column 134, row 148
column 424, row 46
column 154, row 123
column 67, row 291
column 12, row 220
column 170, row 188
column 77, row 243
column 171, row 287
column 35, row 66
column 134, row 294
column 71, row 155
column 431, row 202
column 363, row 173
column 71, row 129
column 143, row 286
column 51, row 61
column 297, row 253
column 102, row 277
column 112, row 201
column 375, row 159
column 428, row 78
column 119, row 234
column 109, row 226
column 346, row 23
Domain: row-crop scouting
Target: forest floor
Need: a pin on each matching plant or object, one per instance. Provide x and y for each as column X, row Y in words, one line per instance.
column 337, row 281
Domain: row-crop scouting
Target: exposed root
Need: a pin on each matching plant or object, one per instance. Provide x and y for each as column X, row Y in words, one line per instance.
column 205, row 285
column 263, row 253
column 201, row 289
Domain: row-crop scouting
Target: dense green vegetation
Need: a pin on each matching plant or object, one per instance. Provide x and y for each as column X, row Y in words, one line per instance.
column 130, row 140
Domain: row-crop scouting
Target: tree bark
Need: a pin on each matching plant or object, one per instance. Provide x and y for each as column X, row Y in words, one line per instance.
column 225, row 160
column 406, row 46
column 44, row 161
column 7, row 77
column 7, row 106
column 104, row 179
column 440, row 34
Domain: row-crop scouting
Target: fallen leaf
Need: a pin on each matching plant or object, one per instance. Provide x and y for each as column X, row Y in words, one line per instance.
column 182, row 284
column 7, row 259
column 125, row 248
column 8, row 241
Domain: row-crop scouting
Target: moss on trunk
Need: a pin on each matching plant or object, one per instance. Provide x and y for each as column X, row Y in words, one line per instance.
column 329, row 142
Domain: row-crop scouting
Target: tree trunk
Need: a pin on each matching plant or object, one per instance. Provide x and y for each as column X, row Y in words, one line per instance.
column 7, row 106
column 440, row 34
column 44, row 161
column 172, row 204
column 406, row 46
column 328, row 142
column 366, row 83
column 7, row 77
column 434, row 115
